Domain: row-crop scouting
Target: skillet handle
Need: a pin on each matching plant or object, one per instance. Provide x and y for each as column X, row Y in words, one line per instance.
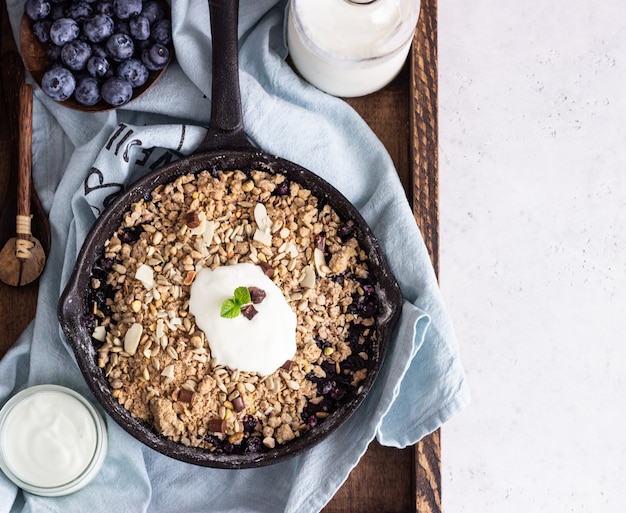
column 226, row 131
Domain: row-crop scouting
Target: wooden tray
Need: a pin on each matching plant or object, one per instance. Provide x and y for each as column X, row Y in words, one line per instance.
column 404, row 117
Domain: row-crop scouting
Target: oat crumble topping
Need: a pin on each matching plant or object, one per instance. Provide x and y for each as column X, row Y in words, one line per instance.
column 159, row 363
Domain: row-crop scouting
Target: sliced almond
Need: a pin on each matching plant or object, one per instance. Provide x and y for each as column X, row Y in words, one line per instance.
column 145, row 274
column 132, row 338
column 99, row 333
column 308, row 277
column 264, row 238
column 168, row 371
column 160, row 329
column 262, row 219
column 320, row 262
column 209, row 232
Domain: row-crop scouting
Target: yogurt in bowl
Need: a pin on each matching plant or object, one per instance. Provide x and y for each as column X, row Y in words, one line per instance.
column 52, row 440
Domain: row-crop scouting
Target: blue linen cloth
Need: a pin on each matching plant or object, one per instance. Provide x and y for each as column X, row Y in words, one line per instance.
column 422, row 383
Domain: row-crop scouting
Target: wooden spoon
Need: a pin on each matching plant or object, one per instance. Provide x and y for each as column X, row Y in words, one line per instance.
column 12, row 73
column 22, row 259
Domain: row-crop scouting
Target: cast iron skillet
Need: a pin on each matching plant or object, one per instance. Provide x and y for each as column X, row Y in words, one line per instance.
column 224, row 148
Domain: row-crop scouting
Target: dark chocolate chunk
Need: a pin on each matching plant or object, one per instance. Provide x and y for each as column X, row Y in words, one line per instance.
column 185, row 396
column 249, row 312
column 217, row 425
column 257, row 295
column 238, row 404
column 288, row 365
column 267, row 269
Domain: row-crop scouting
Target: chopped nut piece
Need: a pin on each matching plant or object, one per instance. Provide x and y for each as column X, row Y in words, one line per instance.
column 189, row 277
column 193, row 220
column 201, row 226
column 320, row 242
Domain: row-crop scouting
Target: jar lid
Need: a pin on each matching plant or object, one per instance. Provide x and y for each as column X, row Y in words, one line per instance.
column 52, row 440
column 354, row 30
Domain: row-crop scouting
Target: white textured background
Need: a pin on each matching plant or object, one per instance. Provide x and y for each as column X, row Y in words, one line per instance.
column 532, row 110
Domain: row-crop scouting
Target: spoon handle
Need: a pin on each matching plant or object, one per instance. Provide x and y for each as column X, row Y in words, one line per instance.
column 12, row 78
column 24, row 161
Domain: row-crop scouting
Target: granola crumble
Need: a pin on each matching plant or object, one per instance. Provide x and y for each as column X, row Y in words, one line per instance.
column 159, row 364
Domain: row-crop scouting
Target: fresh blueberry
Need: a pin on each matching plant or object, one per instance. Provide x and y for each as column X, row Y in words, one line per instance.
column 282, row 188
column 253, row 445
column 98, row 28
column 105, row 7
column 116, row 91
column 63, row 31
column 58, row 83
column 346, row 231
column 139, row 27
column 155, row 57
column 134, row 71
column 327, row 387
column 131, row 234
column 153, row 11
column 37, row 9
column 162, row 31
column 75, row 54
column 120, row 47
column 87, row 91
column 79, row 11
column 124, row 9
column 250, row 423
column 41, row 29
column 98, row 66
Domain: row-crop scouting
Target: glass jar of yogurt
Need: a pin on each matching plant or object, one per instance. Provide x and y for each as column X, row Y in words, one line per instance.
column 350, row 47
column 52, row 440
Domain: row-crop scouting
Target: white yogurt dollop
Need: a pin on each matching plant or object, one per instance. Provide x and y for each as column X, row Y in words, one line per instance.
column 261, row 344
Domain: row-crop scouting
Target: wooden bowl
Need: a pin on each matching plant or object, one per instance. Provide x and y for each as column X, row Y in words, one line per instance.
column 36, row 62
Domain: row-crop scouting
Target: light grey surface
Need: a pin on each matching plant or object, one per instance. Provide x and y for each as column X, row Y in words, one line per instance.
column 533, row 252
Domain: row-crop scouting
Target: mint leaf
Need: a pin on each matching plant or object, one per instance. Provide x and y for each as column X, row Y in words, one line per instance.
column 242, row 296
column 230, row 309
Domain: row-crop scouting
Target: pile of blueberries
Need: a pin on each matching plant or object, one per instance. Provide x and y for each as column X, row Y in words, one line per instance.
column 100, row 49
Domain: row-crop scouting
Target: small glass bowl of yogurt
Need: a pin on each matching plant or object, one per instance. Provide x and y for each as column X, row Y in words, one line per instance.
column 350, row 48
column 52, row 440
